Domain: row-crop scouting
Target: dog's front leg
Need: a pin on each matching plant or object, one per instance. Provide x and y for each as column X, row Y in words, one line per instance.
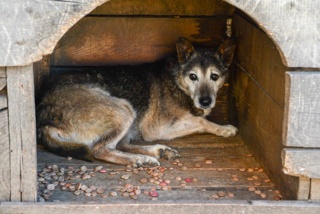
column 187, row 126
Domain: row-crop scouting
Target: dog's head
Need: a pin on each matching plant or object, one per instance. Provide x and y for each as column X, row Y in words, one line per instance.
column 202, row 72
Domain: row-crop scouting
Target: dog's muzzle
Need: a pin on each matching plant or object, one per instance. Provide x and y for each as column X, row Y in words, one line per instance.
column 205, row 102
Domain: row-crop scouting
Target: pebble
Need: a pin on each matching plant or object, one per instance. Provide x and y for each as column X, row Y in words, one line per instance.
column 242, row 169
column 267, row 180
column 260, row 170
column 215, row 197
column 94, row 194
column 102, row 170
column 208, row 161
column 250, row 170
column 263, row 195
column 51, row 187
column 143, row 180
column 230, row 194
column 83, row 168
column 100, row 190
column 87, row 194
column 178, row 178
column 195, row 179
column 255, row 177
column 184, row 168
column 77, row 192
column 257, row 183
column 84, row 187
column 221, row 193
column 251, row 189
column 69, row 158
column 113, row 193
column 125, row 177
column 197, row 165
column 163, row 184
column 258, row 192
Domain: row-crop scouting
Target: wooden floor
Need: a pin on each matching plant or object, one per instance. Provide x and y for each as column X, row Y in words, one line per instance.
column 210, row 168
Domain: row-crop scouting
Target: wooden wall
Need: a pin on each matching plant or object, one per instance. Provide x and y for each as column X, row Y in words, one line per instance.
column 140, row 31
column 258, row 85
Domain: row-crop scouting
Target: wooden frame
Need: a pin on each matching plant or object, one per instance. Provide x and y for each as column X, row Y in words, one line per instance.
column 17, row 111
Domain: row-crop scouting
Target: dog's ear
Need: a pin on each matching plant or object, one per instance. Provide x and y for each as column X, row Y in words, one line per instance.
column 226, row 51
column 184, row 49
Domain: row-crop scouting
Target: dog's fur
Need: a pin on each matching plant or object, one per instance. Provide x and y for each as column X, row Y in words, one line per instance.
column 97, row 115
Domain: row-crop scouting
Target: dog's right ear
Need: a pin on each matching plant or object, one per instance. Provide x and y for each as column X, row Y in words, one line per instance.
column 184, row 49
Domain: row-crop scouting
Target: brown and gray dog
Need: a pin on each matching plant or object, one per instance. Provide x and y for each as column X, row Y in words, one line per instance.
column 97, row 115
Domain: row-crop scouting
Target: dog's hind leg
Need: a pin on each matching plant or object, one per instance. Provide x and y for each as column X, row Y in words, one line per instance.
column 105, row 148
column 157, row 150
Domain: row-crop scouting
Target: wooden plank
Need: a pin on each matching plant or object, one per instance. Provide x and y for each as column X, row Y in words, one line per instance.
column 301, row 162
column 22, row 133
column 2, row 72
column 262, row 133
column 3, row 83
column 41, row 71
column 299, row 47
column 259, row 56
column 179, row 207
column 315, row 189
column 4, row 157
column 131, row 40
column 302, row 113
column 164, row 7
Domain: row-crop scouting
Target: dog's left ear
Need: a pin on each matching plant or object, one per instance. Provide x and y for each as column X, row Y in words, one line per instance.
column 226, row 51
column 184, row 49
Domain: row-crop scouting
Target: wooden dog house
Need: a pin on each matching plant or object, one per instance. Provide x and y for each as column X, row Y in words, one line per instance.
column 272, row 92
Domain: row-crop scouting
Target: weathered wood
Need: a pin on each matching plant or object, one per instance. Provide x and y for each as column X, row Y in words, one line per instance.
column 3, row 83
column 280, row 20
column 258, row 55
column 22, row 133
column 164, row 7
column 302, row 112
column 131, row 40
column 301, row 162
column 3, row 101
column 2, row 72
column 315, row 189
column 183, row 206
column 304, row 188
column 259, row 115
column 41, row 71
column 48, row 21
column 4, row 157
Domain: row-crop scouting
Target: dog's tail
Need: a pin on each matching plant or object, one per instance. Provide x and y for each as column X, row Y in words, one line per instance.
column 62, row 148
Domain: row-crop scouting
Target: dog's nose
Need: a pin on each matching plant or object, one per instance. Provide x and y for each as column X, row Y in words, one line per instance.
column 205, row 101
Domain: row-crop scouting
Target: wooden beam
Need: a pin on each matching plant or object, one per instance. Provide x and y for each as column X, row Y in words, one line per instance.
column 302, row 110
column 164, row 7
column 4, row 157
column 301, row 162
column 315, row 189
column 178, row 207
column 22, row 133
column 2, row 72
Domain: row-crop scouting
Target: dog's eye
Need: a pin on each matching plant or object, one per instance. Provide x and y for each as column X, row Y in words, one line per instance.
column 214, row 77
column 193, row 77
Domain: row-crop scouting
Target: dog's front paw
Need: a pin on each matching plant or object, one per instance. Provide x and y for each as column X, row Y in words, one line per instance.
column 145, row 160
column 227, row 131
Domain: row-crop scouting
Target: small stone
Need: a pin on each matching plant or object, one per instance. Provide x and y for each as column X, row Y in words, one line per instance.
column 125, row 177
column 251, row 189
column 84, row 187
column 162, row 184
column 208, row 161
column 143, row 180
column 184, row 168
column 83, row 168
column 258, row 192
column 257, row 183
column 104, row 196
column 137, row 192
column 100, row 190
column 255, row 177
column 98, row 168
column 94, row 194
column 69, row 158
column 221, row 193
column 249, row 155
column 195, row 179
column 267, row 180
column 263, row 195
column 242, row 169
column 77, row 192
column 113, row 193
column 88, row 194
column 51, row 187
column 260, row 170
column 230, row 194
column 197, row 165
column 102, row 170
column 250, row 170
column 178, row 178
column 214, row 197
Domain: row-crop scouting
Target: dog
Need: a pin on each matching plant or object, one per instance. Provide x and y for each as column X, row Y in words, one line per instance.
column 96, row 115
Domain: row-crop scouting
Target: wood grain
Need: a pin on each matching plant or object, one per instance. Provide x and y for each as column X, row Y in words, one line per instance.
column 178, row 207
column 301, row 162
column 164, row 7
column 98, row 41
column 2, row 72
column 22, row 133
column 302, row 113
column 259, row 56
column 315, row 189
column 4, row 157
